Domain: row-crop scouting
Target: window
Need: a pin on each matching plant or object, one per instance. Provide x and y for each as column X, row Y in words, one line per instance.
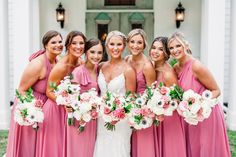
column 102, row 34
column 119, row 2
column 136, row 25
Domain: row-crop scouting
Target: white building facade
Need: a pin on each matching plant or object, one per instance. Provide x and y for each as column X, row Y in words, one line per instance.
column 209, row 28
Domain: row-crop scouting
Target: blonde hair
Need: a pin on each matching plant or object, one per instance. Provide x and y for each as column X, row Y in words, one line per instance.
column 138, row 32
column 180, row 38
column 115, row 33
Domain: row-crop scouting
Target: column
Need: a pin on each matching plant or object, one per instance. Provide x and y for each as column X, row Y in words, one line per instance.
column 231, row 113
column 4, row 67
column 21, row 38
column 212, row 39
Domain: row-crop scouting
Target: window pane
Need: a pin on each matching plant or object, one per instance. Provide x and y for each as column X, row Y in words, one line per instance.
column 119, row 2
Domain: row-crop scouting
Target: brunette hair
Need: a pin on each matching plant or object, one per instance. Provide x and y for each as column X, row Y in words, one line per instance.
column 164, row 41
column 90, row 43
column 70, row 37
column 48, row 36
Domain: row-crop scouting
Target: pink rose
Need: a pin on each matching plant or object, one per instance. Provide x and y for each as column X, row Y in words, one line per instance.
column 94, row 114
column 38, row 103
column 106, row 110
column 119, row 113
column 163, row 90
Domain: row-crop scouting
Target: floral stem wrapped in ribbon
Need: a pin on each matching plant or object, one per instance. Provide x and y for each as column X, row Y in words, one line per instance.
column 28, row 111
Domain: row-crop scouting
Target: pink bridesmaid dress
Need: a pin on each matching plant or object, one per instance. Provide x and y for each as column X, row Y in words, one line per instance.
column 169, row 135
column 22, row 139
column 51, row 138
column 81, row 144
column 208, row 138
column 143, row 143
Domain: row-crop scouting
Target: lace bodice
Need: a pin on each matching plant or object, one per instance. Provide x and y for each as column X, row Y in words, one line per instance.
column 116, row 85
column 112, row 143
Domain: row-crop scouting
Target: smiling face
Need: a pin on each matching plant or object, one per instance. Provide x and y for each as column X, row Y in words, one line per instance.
column 54, row 45
column 157, row 52
column 177, row 49
column 136, row 44
column 77, row 45
column 115, row 46
column 94, row 54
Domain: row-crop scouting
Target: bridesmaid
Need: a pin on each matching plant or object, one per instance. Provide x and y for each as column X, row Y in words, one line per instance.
column 142, row 140
column 208, row 138
column 52, row 137
column 22, row 139
column 82, row 144
column 169, row 134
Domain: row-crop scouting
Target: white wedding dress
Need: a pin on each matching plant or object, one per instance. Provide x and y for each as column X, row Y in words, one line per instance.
column 112, row 143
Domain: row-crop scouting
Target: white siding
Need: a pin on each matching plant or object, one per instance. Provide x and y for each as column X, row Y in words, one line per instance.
column 227, row 52
column 11, row 41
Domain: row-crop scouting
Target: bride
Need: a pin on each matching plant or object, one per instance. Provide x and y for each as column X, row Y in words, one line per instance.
column 115, row 76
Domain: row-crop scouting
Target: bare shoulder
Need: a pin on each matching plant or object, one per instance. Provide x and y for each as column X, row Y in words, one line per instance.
column 36, row 65
column 128, row 68
column 148, row 65
column 197, row 66
column 59, row 69
column 103, row 65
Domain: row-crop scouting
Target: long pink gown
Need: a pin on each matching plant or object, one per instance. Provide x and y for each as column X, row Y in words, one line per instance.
column 170, row 134
column 81, row 144
column 51, row 138
column 208, row 138
column 143, row 143
column 22, row 139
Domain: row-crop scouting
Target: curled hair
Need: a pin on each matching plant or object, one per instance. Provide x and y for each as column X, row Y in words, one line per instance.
column 138, row 32
column 115, row 33
column 164, row 41
column 48, row 36
column 90, row 43
column 180, row 37
column 71, row 36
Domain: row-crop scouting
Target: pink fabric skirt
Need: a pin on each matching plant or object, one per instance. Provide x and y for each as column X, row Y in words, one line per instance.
column 80, row 144
column 208, row 138
column 171, row 137
column 51, row 138
column 143, row 143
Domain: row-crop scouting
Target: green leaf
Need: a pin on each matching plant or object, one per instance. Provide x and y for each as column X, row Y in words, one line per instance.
column 128, row 108
column 172, row 61
column 110, row 126
column 53, row 85
column 70, row 121
column 81, row 128
column 156, row 122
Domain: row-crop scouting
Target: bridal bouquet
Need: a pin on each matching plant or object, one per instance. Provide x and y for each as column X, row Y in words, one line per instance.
column 114, row 108
column 66, row 93
column 86, row 108
column 163, row 100
column 28, row 111
column 194, row 107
